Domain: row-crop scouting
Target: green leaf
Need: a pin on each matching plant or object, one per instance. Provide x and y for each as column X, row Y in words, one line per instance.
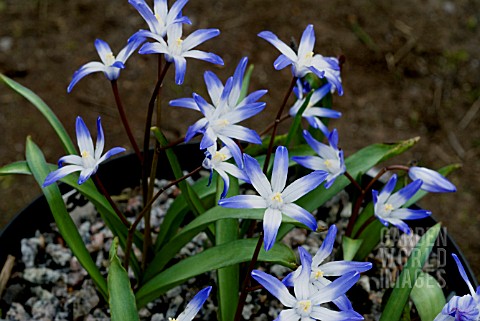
column 179, row 208
column 358, row 163
column 45, row 110
column 427, row 295
column 228, row 278
column 212, row 259
column 191, row 197
column 246, row 83
column 16, row 168
column 121, row 298
column 199, row 224
column 40, row 170
column 350, row 247
column 293, row 131
column 408, row 277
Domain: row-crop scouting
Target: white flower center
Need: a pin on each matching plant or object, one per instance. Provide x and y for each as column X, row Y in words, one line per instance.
column 176, row 47
column 317, row 273
column 110, row 58
column 172, row 319
column 85, row 154
column 220, row 124
column 328, row 163
column 388, row 207
column 304, row 308
column 276, row 200
column 219, row 157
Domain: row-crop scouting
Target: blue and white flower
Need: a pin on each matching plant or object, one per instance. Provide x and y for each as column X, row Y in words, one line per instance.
column 276, row 197
column 432, row 181
column 329, row 159
column 90, row 158
column 221, row 116
column 305, row 304
column 312, row 113
column 305, row 61
column 110, row 64
column 217, row 160
column 465, row 308
column 388, row 207
column 194, row 305
column 177, row 49
column 160, row 18
column 320, row 269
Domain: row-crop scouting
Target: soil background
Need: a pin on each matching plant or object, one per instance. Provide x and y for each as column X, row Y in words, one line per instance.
column 412, row 69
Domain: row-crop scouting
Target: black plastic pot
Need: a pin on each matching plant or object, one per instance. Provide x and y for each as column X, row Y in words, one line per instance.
column 125, row 172
column 115, row 174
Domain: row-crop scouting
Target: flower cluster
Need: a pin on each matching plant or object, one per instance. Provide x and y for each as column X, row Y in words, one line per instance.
column 285, row 189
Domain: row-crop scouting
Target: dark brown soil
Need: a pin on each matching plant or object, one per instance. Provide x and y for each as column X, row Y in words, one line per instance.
column 412, row 70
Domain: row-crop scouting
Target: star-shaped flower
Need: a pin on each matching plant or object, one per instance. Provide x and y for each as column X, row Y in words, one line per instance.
column 87, row 164
column 305, row 61
column 177, row 49
column 217, row 160
column 388, row 207
column 305, row 304
column 276, row 197
column 329, row 159
column 110, row 64
column 320, row 269
column 160, row 18
column 312, row 113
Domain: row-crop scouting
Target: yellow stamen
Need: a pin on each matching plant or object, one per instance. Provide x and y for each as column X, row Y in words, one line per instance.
column 179, row 42
column 219, row 156
column 277, row 197
column 309, row 55
column 318, row 274
column 328, row 163
column 85, row 154
column 388, row 207
column 159, row 19
column 305, row 305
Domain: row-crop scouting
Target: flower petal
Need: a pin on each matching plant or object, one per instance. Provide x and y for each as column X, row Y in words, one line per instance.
column 280, row 45
column 241, row 133
column 103, row 50
column 275, row 287
column 303, row 185
column 404, row 194
column 300, row 214
column 321, row 313
column 110, row 153
column 337, row 268
column 257, row 177
column 288, row 315
column 432, row 181
column 336, row 288
column 387, row 189
column 84, row 139
column 237, row 82
column 307, row 41
column 185, row 103
column 195, row 305
column 180, row 69
column 327, row 246
column 100, row 140
column 153, row 48
column 205, row 56
column 409, row 214
column 271, row 223
column 301, row 284
column 280, row 169
column 86, row 69
column 243, row 201
column 60, row 173
column 281, row 62
column 127, row 51
column 214, row 86
column 146, row 13
column 198, row 37
column 463, row 274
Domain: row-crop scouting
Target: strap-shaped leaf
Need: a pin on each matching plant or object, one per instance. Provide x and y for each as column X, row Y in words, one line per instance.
column 167, row 252
column 45, row 110
column 427, row 295
column 209, row 260
column 408, row 277
column 15, row 168
column 121, row 299
column 228, row 278
column 40, row 170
